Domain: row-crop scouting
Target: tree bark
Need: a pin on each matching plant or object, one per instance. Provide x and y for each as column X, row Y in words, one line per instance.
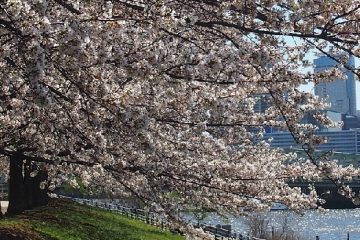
column 16, row 186
column 1, row 214
column 40, row 196
column 24, row 190
column 28, row 184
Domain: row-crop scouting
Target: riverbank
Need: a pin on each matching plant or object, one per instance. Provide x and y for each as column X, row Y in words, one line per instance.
column 66, row 220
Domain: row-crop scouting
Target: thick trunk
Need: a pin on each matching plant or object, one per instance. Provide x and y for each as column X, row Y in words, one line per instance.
column 16, row 186
column 40, row 197
column 1, row 214
column 24, row 190
column 28, row 184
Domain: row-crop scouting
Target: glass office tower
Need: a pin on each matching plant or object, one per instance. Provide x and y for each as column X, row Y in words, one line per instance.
column 341, row 94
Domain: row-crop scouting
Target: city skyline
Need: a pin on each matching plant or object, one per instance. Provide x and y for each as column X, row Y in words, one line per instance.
column 341, row 94
column 310, row 87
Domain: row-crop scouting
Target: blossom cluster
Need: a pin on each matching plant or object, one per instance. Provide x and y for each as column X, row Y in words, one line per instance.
column 157, row 99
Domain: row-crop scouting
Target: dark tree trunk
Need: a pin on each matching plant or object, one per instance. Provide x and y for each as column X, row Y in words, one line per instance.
column 16, row 186
column 1, row 214
column 28, row 184
column 40, row 197
column 24, row 190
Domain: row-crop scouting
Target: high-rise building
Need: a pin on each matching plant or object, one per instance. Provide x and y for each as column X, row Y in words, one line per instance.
column 341, row 94
column 263, row 102
column 346, row 141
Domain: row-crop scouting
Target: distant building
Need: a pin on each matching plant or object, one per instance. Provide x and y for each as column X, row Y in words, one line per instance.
column 350, row 122
column 263, row 102
column 334, row 116
column 346, row 141
column 341, row 94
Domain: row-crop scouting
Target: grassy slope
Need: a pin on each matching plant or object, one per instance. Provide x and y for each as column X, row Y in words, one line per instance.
column 64, row 220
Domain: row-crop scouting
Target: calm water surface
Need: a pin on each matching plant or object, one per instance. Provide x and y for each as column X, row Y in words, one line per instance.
column 331, row 225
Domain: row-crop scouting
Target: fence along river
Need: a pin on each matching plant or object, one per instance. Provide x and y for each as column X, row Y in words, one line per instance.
column 333, row 224
column 217, row 232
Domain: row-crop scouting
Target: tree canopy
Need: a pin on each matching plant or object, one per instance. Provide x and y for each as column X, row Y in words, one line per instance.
column 156, row 98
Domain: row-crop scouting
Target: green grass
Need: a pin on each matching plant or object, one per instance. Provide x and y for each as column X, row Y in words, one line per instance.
column 65, row 220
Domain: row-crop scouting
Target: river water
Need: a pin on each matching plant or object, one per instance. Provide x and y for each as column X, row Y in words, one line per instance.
column 334, row 224
column 331, row 224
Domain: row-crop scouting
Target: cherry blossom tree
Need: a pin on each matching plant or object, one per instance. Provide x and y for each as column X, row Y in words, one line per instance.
column 155, row 99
